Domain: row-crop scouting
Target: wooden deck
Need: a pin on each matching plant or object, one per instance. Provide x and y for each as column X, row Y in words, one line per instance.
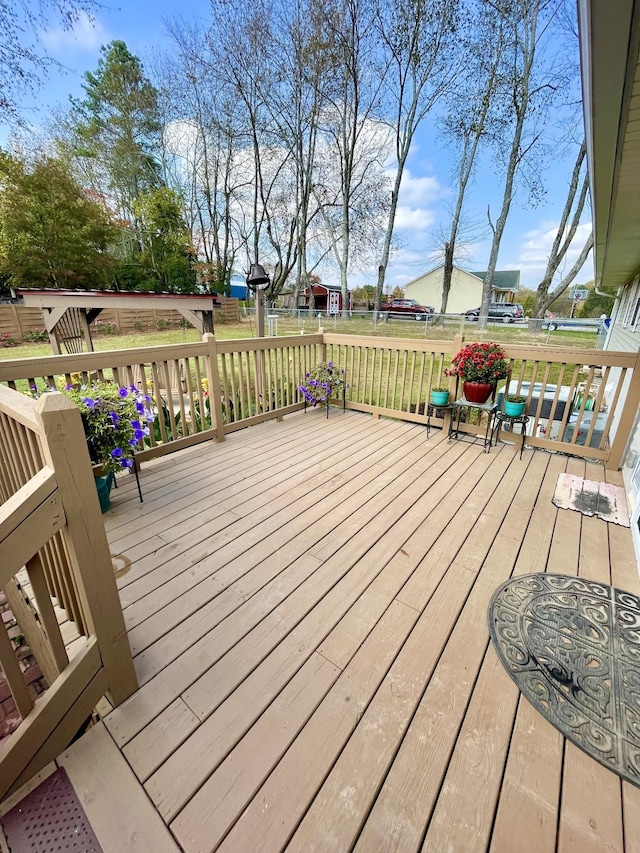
column 306, row 604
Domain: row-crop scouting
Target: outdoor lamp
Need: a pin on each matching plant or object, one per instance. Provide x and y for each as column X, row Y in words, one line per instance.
column 257, row 279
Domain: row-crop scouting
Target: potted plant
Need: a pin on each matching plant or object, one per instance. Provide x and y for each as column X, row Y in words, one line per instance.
column 514, row 405
column 321, row 383
column 439, row 396
column 480, row 366
column 115, row 421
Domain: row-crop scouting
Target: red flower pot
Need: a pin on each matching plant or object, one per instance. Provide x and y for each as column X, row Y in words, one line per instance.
column 477, row 392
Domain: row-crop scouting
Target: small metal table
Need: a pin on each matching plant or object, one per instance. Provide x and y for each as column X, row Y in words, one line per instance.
column 501, row 419
column 490, row 407
column 432, row 408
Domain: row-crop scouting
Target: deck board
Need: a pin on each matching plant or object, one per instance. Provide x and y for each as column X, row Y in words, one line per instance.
column 309, row 629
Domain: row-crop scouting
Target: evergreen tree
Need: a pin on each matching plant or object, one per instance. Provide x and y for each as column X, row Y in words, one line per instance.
column 117, row 126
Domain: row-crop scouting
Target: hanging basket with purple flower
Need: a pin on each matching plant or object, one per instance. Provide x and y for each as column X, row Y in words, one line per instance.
column 323, row 382
column 115, row 419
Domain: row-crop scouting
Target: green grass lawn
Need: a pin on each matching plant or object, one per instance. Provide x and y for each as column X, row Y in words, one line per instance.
column 506, row 334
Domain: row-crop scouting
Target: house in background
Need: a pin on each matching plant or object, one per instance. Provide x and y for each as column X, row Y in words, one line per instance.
column 466, row 288
column 610, row 49
column 506, row 284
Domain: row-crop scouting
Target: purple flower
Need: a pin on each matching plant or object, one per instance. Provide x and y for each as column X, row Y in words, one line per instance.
column 115, row 417
column 124, row 392
column 133, row 442
column 140, row 408
column 135, row 424
column 127, row 463
column 117, row 452
column 89, row 402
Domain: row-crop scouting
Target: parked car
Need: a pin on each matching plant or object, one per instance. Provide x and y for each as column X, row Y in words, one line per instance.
column 407, row 309
column 508, row 312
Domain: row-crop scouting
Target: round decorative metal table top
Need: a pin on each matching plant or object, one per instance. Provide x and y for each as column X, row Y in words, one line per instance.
column 573, row 648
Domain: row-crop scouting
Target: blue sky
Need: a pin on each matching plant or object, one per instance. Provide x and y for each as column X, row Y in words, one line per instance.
column 426, row 190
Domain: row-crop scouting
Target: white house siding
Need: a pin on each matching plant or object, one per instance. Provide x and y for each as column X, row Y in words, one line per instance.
column 625, row 337
column 465, row 292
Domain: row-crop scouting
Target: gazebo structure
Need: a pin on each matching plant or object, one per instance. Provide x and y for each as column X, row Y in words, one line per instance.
column 68, row 313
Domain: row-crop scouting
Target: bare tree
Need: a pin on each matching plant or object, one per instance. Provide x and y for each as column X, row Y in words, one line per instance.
column 470, row 118
column 295, row 107
column 417, row 67
column 350, row 179
column 567, row 228
column 527, row 84
column 203, row 141
column 23, row 58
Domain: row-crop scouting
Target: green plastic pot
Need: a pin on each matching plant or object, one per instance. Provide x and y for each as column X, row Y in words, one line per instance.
column 103, row 485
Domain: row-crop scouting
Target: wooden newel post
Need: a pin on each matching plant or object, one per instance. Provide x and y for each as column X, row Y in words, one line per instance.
column 64, row 449
column 627, row 418
column 213, row 380
column 323, row 346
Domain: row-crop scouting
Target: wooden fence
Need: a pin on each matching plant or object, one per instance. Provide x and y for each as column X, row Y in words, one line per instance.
column 51, row 527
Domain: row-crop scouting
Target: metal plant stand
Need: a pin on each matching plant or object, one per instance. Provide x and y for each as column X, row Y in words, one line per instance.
column 490, row 408
column 433, row 409
column 501, row 420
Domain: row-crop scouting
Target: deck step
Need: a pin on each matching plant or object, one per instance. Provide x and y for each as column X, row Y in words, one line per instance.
column 118, row 809
column 49, row 818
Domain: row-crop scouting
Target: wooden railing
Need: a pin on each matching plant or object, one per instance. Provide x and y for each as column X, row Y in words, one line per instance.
column 200, row 391
column 389, row 376
column 51, row 528
column 574, row 396
column 206, row 390
column 259, row 378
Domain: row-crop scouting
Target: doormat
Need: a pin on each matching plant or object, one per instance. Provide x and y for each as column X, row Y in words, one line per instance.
column 589, row 497
column 50, row 819
column 573, row 649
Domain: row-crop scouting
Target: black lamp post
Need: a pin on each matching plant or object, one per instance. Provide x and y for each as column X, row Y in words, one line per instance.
column 258, row 281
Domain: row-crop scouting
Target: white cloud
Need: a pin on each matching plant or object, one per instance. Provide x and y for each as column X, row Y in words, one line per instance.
column 536, row 246
column 413, row 219
column 416, row 192
column 87, row 34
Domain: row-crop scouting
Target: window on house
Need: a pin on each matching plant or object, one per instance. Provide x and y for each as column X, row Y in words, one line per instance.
column 630, row 307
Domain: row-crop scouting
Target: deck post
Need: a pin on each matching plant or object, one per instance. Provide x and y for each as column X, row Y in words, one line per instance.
column 457, row 343
column 213, row 380
column 625, row 424
column 64, row 449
